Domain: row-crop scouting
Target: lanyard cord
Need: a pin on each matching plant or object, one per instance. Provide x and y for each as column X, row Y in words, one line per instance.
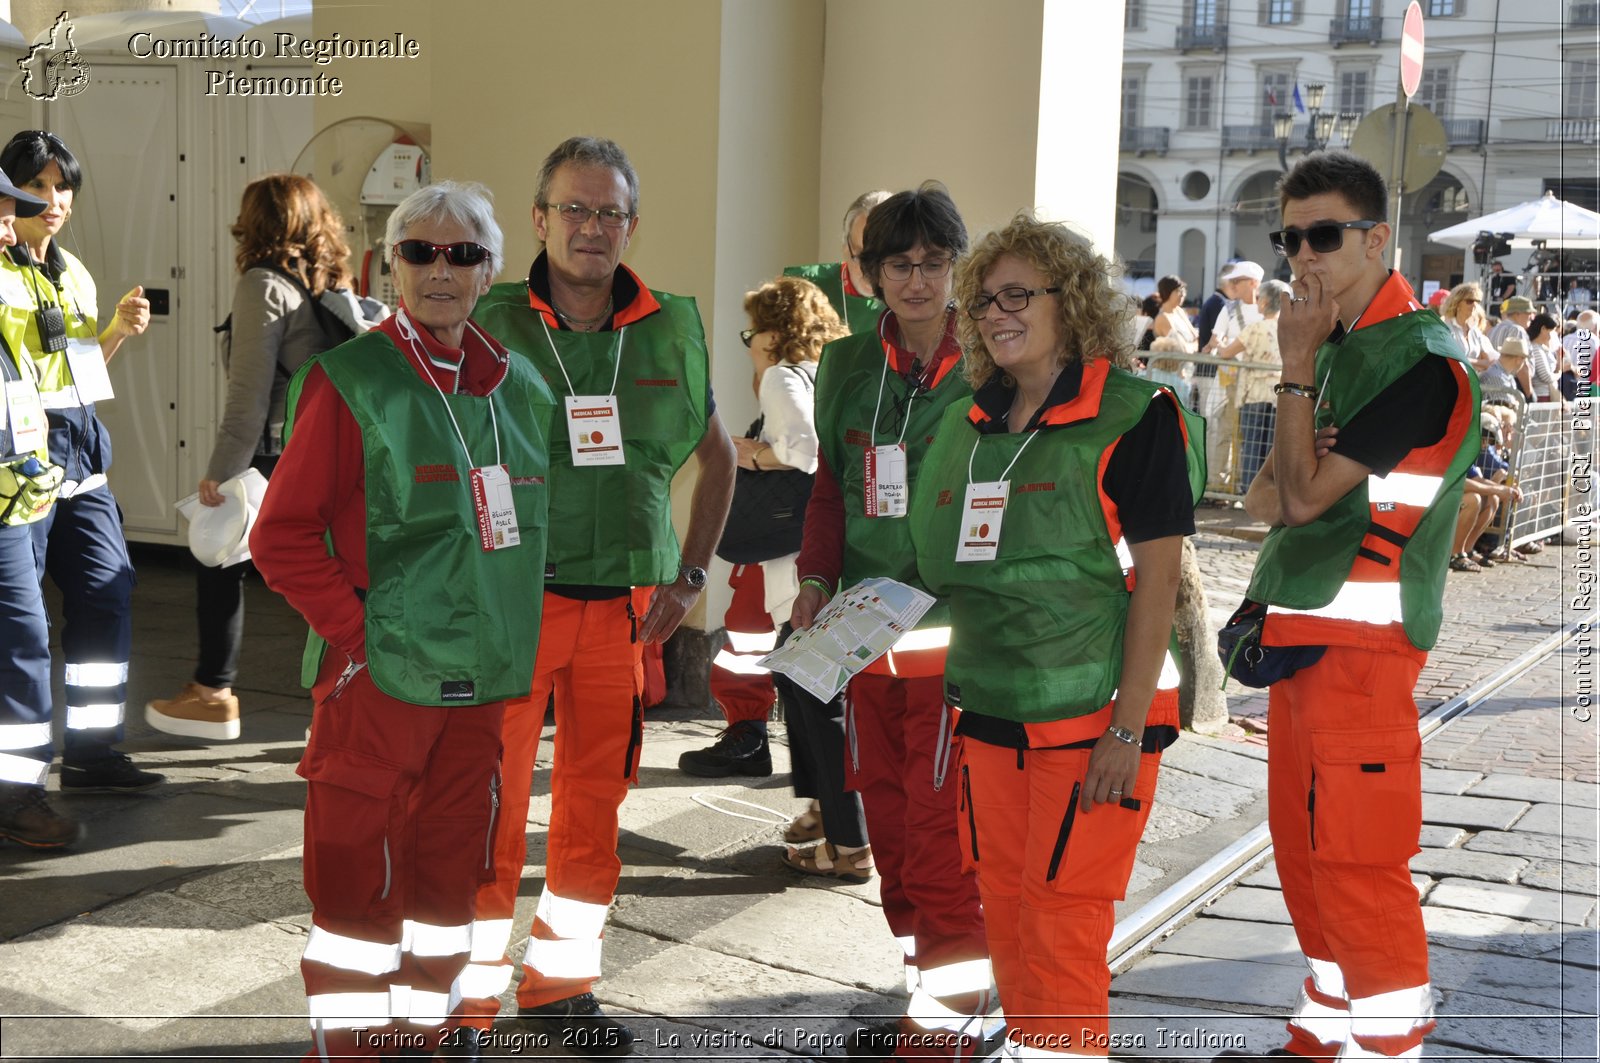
column 615, row 373
column 408, row 331
column 1012, row 462
column 883, row 375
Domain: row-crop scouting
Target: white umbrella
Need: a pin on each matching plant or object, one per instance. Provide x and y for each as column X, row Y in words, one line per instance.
column 1555, row 221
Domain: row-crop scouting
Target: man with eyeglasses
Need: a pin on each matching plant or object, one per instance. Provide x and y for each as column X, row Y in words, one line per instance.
column 846, row 287
column 632, row 368
column 1376, row 428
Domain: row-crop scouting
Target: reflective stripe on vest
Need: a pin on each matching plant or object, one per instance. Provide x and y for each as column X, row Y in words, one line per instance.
column 351, row 954
column 571, row 919
column 1367, row 603
column 24, row 735
column 91, row 717
column 22, row 770
column 348, row 1010
column 426, row 939
column 567, row 958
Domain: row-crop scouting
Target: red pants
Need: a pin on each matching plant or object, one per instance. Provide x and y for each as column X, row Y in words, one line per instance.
column 1345, row 809
column 397, row 829
column 1049, row 876
column 589, row 658
column 928, row 897
column 742, row 689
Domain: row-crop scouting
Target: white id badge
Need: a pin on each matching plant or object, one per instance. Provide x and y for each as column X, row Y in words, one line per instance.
column 594, row 430
column 491, row 504
column 24, row 416
column 981, row 515
column 886, row 481
column 88, row 365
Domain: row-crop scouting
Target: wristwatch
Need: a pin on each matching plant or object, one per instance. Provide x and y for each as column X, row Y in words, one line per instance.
column 1122, row 734
column 693, row 575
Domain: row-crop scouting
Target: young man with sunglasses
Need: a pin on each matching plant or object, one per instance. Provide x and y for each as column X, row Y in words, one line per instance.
column 1376, row 428
column 632, row 368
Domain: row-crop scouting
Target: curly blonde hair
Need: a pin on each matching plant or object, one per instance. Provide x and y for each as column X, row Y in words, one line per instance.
column 1094, row 311
column 284, row 219
column 799, row 313
column 1458, row 295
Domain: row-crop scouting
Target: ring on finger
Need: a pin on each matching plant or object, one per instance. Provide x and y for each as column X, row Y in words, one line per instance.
column 1116, row 793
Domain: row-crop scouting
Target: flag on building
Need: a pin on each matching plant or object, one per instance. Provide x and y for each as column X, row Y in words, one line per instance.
column 1299, row 104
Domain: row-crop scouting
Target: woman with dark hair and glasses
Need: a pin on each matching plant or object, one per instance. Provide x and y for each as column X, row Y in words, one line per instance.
column 50, row 309
column 880, row 397
column 406, row 522
column 290, row 249
column 1036, row 505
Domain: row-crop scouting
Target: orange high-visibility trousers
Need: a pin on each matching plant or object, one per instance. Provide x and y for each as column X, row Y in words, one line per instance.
column 589, row 658
column 743, row 690
column 1344, row 779
column 1049, row 876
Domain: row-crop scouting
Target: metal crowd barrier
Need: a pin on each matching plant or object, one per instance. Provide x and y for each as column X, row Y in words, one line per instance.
column 1240, row 411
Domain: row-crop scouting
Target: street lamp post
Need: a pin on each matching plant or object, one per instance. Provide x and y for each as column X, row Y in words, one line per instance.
column 1321, row 126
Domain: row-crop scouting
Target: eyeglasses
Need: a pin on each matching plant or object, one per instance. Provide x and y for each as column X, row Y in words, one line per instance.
column 1324, row 237
column 898, row 269
column 1011, row 300
column 746, row 335
column 576, row 214
column 422, row 253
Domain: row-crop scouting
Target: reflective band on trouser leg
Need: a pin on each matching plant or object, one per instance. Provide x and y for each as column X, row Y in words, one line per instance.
column 351, row 954
column 344, row 1011
column 24, row 735
column 1390, row 1025
column 1320, row 1024
column 425, row 939
column 82, row 674
column 487, row 973
column 752, row 641
column 908, row 945
column 739, row 663
column 94, row 717
column 23, row 770
column 564, row 958
column 419, row 1006
column 969, row 981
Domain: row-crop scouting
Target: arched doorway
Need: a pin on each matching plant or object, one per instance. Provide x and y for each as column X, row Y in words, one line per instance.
column 1137, row 206
column 1192, row 264
column 1255, row 214
column 1427, row 265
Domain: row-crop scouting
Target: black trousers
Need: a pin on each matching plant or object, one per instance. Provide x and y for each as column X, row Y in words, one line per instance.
column 219, row 612
column 816, row 754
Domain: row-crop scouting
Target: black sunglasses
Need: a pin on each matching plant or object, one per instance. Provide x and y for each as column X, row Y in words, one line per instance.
column 746, row 335
column 422, row 253
column 1325, row 237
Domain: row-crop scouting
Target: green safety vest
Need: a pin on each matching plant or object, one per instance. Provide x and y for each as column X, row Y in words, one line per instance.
column 611, row 525
column 1036, row 634
column 24, row 290
column 860, row 313
column 447, row 622
column 1305, row 567
column 848, row 381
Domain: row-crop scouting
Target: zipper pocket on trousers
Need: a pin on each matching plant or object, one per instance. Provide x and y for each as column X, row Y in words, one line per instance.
column 972, row 815
column 1063, row 834
column 1311, row 809
column 633, row 623
column 635, row 736
column 494, row 817
column 388, row 870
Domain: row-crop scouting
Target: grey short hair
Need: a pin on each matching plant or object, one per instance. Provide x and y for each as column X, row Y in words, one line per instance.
column 1272, row 295
column 467, row 203
column 587, row 151
column 862, row 204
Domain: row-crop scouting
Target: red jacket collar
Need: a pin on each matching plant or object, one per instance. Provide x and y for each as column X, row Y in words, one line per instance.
column 901, row 360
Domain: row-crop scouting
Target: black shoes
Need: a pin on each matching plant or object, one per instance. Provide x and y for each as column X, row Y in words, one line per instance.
column 578, row 1025
column 26, row 817
column 741, row 749
column 112, row 774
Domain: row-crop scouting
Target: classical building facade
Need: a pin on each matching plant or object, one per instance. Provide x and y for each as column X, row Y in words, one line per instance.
column 1206, row 85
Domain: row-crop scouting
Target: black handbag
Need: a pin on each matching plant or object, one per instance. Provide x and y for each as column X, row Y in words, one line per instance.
column 1247, row 660
column 768, row 512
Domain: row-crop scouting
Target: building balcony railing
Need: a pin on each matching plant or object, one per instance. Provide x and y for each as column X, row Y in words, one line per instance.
column 1537, row 131
column 1143, row 140
column 1570, row 130
column 1352, row 29
column 1257, row 137
column 1211, row 35
column 1583, row 15
column 1465, row 132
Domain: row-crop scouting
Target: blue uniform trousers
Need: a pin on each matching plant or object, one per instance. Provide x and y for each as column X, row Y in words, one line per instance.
column 80, row 545
column 24, row 663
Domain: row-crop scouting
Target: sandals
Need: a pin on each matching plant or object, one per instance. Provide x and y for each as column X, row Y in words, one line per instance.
column 1463, row 563
column 1485, row 561
column 824, row 860
column 806, row 827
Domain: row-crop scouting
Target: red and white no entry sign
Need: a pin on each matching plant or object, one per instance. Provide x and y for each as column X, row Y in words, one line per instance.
column 1411, row 51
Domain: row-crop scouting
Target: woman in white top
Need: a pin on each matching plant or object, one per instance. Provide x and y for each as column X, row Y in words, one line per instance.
column 1459, row 311
column 1544, row 355
column 1173, row 320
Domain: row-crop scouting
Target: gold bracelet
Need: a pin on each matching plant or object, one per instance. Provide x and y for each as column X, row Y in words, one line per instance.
column 1305, row 391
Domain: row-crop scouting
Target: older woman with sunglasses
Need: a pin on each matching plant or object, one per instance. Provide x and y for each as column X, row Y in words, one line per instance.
column 1037, row 504
column 406, row 522
column 1463, row 312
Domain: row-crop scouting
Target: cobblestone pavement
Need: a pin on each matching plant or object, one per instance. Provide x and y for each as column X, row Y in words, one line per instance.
column 177, row 926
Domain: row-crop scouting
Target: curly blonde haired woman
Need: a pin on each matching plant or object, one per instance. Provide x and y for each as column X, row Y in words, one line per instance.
column 1036, row 505
column 1463, row 312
